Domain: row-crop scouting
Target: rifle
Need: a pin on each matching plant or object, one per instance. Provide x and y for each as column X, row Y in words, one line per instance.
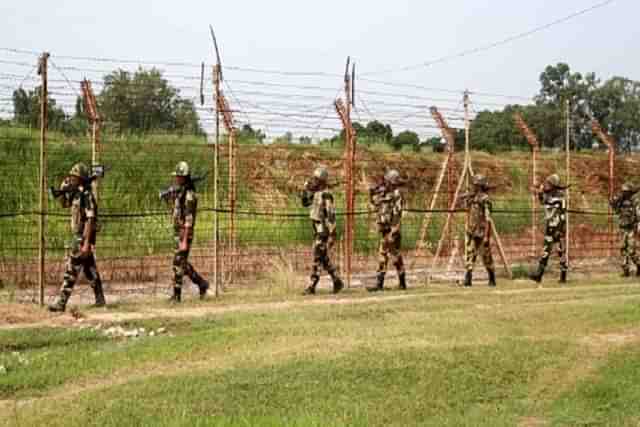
column 98, row 171
column 540, row 190
column 171, row 192
column 381, row 187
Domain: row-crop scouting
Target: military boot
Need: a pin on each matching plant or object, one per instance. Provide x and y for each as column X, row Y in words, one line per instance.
column 536, row 276
column 492, row 278
column 638, row 270
column 626, row 272
column 379, row 283
column 338, row 284
column 311, row 289
column 468, row 279
column 402, row 280
column 177, row 295
column 61, row 303
column 563, row 276
column 203, row 285
column 99, row 294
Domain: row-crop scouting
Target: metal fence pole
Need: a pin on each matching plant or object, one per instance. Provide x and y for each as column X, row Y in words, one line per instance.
column 216, row 156
column 568, row 166
column 44, row 116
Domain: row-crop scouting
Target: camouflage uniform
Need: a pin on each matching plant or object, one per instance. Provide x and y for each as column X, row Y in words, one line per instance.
column 323, row 222
column 553, row 199
column 389, row 203
column 478, row 238
column 627, row 207
column 185, row 206
column 84, row 213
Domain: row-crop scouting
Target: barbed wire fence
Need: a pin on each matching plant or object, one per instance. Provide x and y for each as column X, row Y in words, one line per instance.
column 250, row 225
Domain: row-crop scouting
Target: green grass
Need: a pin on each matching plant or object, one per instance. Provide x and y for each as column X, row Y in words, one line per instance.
column 611, row 396
column 441, row 357
column 139, row 166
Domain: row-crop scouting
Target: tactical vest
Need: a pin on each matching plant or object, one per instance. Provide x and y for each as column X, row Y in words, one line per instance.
column 388, row 208
column 186, row 203
column 317, row 212
column 626, row 209
column 477, row 216
column 83, row 206
column 555, row 208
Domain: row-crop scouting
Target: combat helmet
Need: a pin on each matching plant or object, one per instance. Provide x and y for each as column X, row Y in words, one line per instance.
column 80, row 170
column 182, row 169
column 628, row 187
column 480, row 181
column 553, row 180
column 321, row 174
column 392, row 177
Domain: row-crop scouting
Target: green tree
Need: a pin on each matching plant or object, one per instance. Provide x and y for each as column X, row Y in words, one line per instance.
column 406, row 138
column 379, row 132
column 559, row 85
column 26, row 109
column 494, row 131
column 616, row 105
column 249, row 135
column 144, row 101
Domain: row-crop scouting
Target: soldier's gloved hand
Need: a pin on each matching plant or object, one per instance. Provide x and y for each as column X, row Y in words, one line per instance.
column 395, row 230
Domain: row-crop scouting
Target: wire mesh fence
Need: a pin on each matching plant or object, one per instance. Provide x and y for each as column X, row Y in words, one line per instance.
column 250, row 222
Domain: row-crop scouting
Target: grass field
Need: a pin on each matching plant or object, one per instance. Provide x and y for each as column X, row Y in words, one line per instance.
column 268, row 181
column 442, row 356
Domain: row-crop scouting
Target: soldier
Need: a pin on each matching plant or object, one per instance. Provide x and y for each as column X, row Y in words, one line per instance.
column 75, row 193
column 185, row 206
column 626, row 206
column 388, row 202
column 478, row 239
column 552, row 196
column 317, row 196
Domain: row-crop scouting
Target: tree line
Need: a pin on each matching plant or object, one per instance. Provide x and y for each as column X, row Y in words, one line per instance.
column 139, row 102
column 144, row 101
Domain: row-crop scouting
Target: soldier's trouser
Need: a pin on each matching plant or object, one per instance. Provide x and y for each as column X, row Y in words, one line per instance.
column 74, row 264
column 629, row 248
column 475, row 245
column 389, row 249
column 553, row 236
column 182, row 266
column 321, row 258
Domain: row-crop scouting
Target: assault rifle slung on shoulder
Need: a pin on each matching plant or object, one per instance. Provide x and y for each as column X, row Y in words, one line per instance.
column 171, row 191
column 97, row 172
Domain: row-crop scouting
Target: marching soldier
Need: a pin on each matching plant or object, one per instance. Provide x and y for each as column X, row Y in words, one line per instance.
column 627, row 207
column 551, row 195
column 318, row 198
column 185, row 206
column 75, row 193
column 478, row 239
column 388, row 202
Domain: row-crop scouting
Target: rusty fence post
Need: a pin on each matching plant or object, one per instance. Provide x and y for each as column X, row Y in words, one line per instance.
column 93, row 117
column 568, row 183
column 216, row 163
column 344, row 113
column 611, row 148
column 227, row 120
column 349, row 160
column 446, row 168
column 535, row 149
column 44, row 124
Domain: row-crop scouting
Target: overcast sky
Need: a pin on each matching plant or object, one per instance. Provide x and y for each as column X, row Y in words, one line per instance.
column 317, row 36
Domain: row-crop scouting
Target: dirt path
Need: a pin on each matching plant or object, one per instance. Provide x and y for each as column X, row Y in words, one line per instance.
column 109, row 316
